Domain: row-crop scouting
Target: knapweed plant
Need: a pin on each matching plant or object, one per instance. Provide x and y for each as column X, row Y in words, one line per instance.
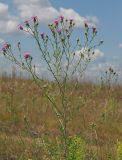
column 66, row 57
column 109, row 77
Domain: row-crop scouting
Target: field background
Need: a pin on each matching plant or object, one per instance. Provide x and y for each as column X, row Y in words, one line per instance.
column 25, row 115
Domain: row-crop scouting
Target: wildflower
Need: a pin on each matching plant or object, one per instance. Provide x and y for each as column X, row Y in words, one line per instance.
column 35, row 19
column 61, row 18
column 27, row 55
column 56, row 22
column 20, row 27
column 5, row 48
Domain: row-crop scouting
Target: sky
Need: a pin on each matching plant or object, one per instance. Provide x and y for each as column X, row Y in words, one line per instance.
column 103, row 14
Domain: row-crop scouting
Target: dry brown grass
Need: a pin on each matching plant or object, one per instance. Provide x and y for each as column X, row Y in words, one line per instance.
column 96, row 116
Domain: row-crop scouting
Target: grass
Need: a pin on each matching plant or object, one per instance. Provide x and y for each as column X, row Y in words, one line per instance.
column 26, row 115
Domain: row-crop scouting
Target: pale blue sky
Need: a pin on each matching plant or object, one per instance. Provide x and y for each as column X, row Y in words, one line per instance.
column 108, row 21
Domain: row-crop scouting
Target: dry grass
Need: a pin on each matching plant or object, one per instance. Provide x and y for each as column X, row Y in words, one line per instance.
column 96, row 117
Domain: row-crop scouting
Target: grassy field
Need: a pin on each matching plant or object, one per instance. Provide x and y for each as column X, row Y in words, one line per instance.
column 26, row 116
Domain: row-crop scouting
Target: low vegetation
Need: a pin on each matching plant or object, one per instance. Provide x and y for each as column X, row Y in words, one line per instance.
column 29, row 129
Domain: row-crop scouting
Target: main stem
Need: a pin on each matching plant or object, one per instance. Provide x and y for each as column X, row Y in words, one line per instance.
column 62, row 92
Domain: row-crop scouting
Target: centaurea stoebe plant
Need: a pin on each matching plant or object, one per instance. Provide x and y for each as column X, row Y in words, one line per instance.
column 64, row 59
column 109, row 77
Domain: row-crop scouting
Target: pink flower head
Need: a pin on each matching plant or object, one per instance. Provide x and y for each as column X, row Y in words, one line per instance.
column 20, row 27
column 6, row 46
column 35, row 19
column 27, row 55
column 56, row 22
column 61, row 18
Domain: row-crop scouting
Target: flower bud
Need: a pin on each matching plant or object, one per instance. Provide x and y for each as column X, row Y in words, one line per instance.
column 56, row 22
column 61, row 18
column 20, row 27
column 35, row 19
column 101, row 42
column 27, row 24
column 42, row 35
column 86, row 25
column 94, row 30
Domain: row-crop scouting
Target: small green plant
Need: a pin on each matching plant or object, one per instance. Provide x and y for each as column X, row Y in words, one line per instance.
column 119, row 150
column 77, row 148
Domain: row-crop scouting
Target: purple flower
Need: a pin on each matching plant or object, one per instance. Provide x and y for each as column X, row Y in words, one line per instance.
column 61, row 18
column 35, row 19
column 27, row 55
column 56, row 22
column 5, row 47
column 20, row 27
column 42, row 35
